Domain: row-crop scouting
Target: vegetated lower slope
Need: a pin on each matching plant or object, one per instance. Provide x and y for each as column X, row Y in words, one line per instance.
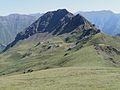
column 72, row 78
column 12, row 24
column 59, row 39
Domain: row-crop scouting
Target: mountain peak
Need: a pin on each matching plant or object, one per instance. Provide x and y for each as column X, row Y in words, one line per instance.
column 62, row 10
column 54, row 23
column 58, row 11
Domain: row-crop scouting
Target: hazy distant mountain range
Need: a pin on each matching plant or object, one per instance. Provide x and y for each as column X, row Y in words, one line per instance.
column 12, row 24
column 107, row 21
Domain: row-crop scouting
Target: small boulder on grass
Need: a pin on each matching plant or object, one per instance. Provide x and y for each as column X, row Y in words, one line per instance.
column 26, row 54
column 29, row 70
column 49, row 47
column 65, row 54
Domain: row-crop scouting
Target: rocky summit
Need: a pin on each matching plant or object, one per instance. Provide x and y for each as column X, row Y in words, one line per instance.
column 58, row 22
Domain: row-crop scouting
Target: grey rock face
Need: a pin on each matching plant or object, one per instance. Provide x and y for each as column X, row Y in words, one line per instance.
column 57, row 23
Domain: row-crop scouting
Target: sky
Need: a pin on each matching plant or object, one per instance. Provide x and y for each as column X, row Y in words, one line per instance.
column 42, row 6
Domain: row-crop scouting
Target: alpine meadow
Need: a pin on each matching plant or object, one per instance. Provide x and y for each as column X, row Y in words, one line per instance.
column 59, row 49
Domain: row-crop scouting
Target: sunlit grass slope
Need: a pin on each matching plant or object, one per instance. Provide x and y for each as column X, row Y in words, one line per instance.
column 72, row 78
column 33, row 54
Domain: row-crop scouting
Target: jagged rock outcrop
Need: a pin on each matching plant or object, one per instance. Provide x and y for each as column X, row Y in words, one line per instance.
column 107, row 48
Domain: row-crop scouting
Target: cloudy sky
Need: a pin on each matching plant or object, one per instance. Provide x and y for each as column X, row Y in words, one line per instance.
column 42, row 6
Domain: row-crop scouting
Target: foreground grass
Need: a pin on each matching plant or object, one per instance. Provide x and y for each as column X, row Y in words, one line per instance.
column 71, row 78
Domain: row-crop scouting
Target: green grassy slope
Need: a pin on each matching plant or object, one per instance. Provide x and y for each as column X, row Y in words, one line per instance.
column 72, row 78
column 35, row 54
